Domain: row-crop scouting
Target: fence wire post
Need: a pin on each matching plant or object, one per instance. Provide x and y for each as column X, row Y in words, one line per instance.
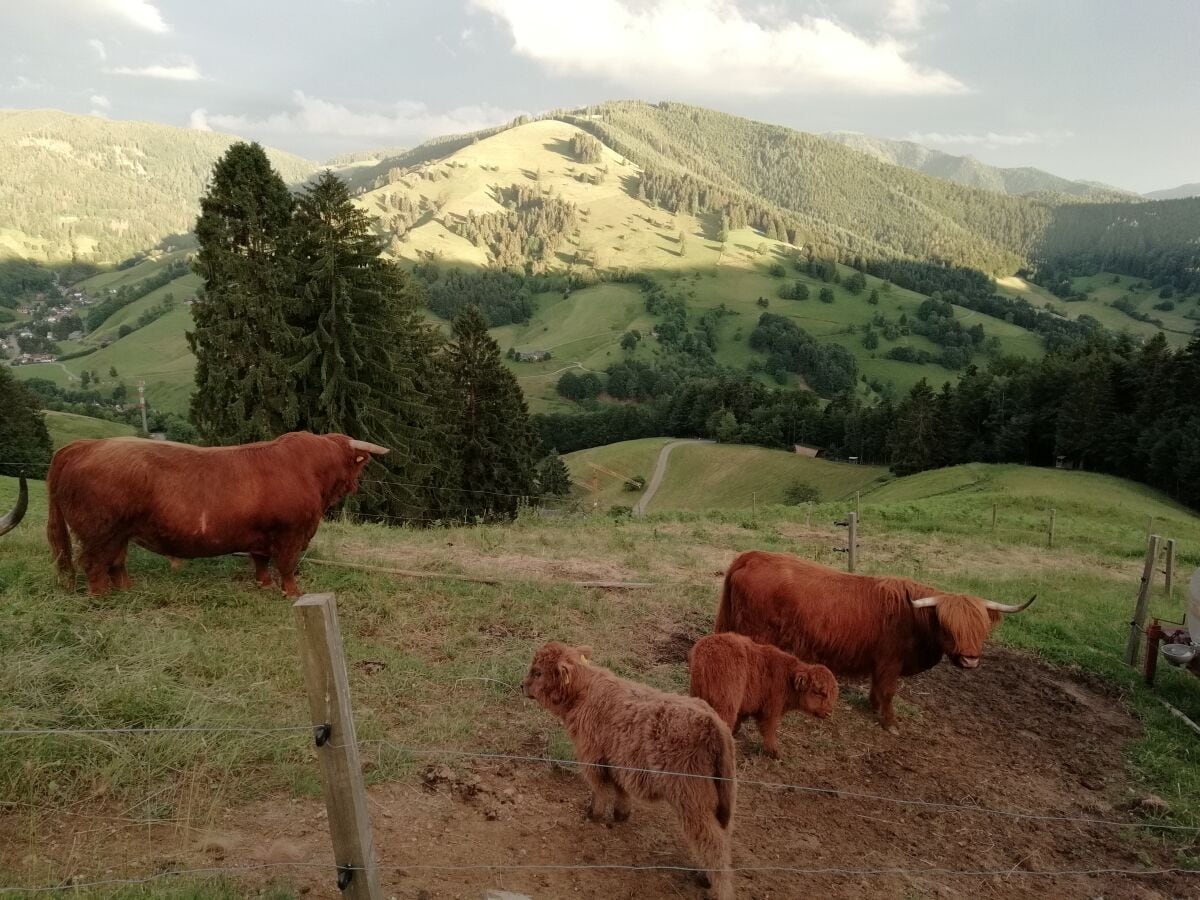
column 1143, row 601
column 852, row 545
column 328, row 688
column 1170, row 567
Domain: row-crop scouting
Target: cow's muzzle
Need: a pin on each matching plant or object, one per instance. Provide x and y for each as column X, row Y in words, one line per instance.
column 967, row 662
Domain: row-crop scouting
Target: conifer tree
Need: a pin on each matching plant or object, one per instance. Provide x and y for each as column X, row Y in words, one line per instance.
column 914, row 439
column 552, row 476
column 25, row 447
column 365, row 360
column 242, row 339
column 493, row 447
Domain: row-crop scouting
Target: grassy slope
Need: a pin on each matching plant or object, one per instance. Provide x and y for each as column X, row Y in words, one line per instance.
column 716, row 476
column 182, row 648
column 1177, row 328
column 67, row 427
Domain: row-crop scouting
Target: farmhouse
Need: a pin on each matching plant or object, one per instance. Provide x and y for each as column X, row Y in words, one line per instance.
column 533, row 355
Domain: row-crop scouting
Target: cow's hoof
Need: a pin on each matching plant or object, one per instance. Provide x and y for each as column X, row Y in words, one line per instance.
column 893, row 730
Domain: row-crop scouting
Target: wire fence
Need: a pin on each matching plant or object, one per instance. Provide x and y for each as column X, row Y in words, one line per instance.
column 76, row 883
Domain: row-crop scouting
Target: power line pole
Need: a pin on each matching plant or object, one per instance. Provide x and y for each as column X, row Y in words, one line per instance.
column 142, row 406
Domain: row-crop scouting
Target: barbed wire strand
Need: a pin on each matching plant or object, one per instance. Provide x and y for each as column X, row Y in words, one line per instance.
column 192, row 729
column 746, row 782
column 828, row 871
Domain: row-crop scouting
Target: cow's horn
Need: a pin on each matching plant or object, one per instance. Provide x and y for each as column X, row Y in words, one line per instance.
column 367, row 446
column 10, row 521
column 923, row 602
column 1005, row 608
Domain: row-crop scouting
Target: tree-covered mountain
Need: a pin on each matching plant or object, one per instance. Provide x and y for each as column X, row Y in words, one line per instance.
column 971, row 172
column 83, row 187
column 1176, row 193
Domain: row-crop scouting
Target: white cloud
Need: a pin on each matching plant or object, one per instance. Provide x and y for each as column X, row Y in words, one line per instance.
column 182, row 72
column 199, row 120
column 22, row 83
column 139, row 13
column 990, row 139
column 99, row 101
column 98, row 47
column 711, row 46
column 909, row 15
column 404, row 120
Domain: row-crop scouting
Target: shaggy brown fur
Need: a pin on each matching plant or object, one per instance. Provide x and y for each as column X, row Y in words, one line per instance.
column 264, row 499
column 619, row 723
column 741, row 679
column 855, row 624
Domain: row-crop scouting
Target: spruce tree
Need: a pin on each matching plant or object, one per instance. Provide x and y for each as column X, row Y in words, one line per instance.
column 493, row 446
column 242, row 339
column 914, row 440
column 553, row 477
column 25, row 447
column 365, row 364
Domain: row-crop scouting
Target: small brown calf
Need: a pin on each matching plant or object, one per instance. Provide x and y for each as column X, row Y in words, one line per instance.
column 741, row 679
column 622, row 729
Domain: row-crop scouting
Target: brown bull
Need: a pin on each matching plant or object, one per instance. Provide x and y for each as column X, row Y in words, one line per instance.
column 14, row 516
column 263, row 499
column 857, row 625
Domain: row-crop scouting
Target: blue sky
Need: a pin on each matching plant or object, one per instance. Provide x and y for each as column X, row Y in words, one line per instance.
column 1095, row 89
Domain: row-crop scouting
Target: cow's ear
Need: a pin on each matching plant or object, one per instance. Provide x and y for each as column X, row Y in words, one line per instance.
column 801, row 680
column 564, row 670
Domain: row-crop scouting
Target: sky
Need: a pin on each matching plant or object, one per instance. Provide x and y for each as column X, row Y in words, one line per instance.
column 1103, row 90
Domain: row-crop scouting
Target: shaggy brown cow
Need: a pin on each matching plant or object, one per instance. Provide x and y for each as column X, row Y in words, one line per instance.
column 741, row 679
column 621, row 729
column 14, row 516
column 857, row 625
column 264, row 499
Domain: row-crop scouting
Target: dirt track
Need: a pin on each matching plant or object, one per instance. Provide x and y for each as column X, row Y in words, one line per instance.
column 1014, row 735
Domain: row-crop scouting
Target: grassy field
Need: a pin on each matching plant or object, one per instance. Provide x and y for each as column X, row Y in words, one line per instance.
column 67, row 427
column 432, row 662
column 715, row 476
column 1102, row 291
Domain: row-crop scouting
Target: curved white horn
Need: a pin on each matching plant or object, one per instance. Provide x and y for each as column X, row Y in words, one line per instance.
column 368, row 447
column 923, row 602
column 10, row 521
column 1005, row 608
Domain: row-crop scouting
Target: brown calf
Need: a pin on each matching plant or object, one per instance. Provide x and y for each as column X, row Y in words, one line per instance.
column 621, row 729
column 741, row 679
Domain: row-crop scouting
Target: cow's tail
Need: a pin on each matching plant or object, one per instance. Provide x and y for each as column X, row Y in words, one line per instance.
column 56, row 531
column 725, row 607
column 725, row 771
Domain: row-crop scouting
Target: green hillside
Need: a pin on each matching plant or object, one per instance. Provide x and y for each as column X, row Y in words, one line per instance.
column 971, row 172
column 67, row 427
column 99, row 190
column 703, row 476
column 1105, row 288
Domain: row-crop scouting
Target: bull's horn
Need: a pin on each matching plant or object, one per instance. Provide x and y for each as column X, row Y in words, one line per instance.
column 10, row 521
column 923, row 602
column 368, row 447
column 1005, row 608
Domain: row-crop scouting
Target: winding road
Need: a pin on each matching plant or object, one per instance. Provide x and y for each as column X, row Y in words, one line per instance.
column 660, row 469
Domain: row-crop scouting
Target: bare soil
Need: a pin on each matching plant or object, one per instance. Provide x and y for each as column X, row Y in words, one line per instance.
column 1014, row 735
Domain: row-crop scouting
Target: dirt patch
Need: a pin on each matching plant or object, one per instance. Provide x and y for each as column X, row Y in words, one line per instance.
column 1015, row 735
column 674, row 645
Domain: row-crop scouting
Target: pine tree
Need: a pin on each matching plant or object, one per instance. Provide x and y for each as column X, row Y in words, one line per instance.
column 553, row 477
column 914, row 440
column 492, row 444
column 25, row 447
column 242, row 339
column 365, row 362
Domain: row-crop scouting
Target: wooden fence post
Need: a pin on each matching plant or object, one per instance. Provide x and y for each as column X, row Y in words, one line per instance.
column 852, row 546
column 337, row 747
column 1170, row 569
column 858, row 503
column 1143, row 601
column 1050, row 534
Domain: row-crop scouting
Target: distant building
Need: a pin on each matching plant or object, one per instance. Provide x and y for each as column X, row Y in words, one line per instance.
column 805, row 450
column 533, row 355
